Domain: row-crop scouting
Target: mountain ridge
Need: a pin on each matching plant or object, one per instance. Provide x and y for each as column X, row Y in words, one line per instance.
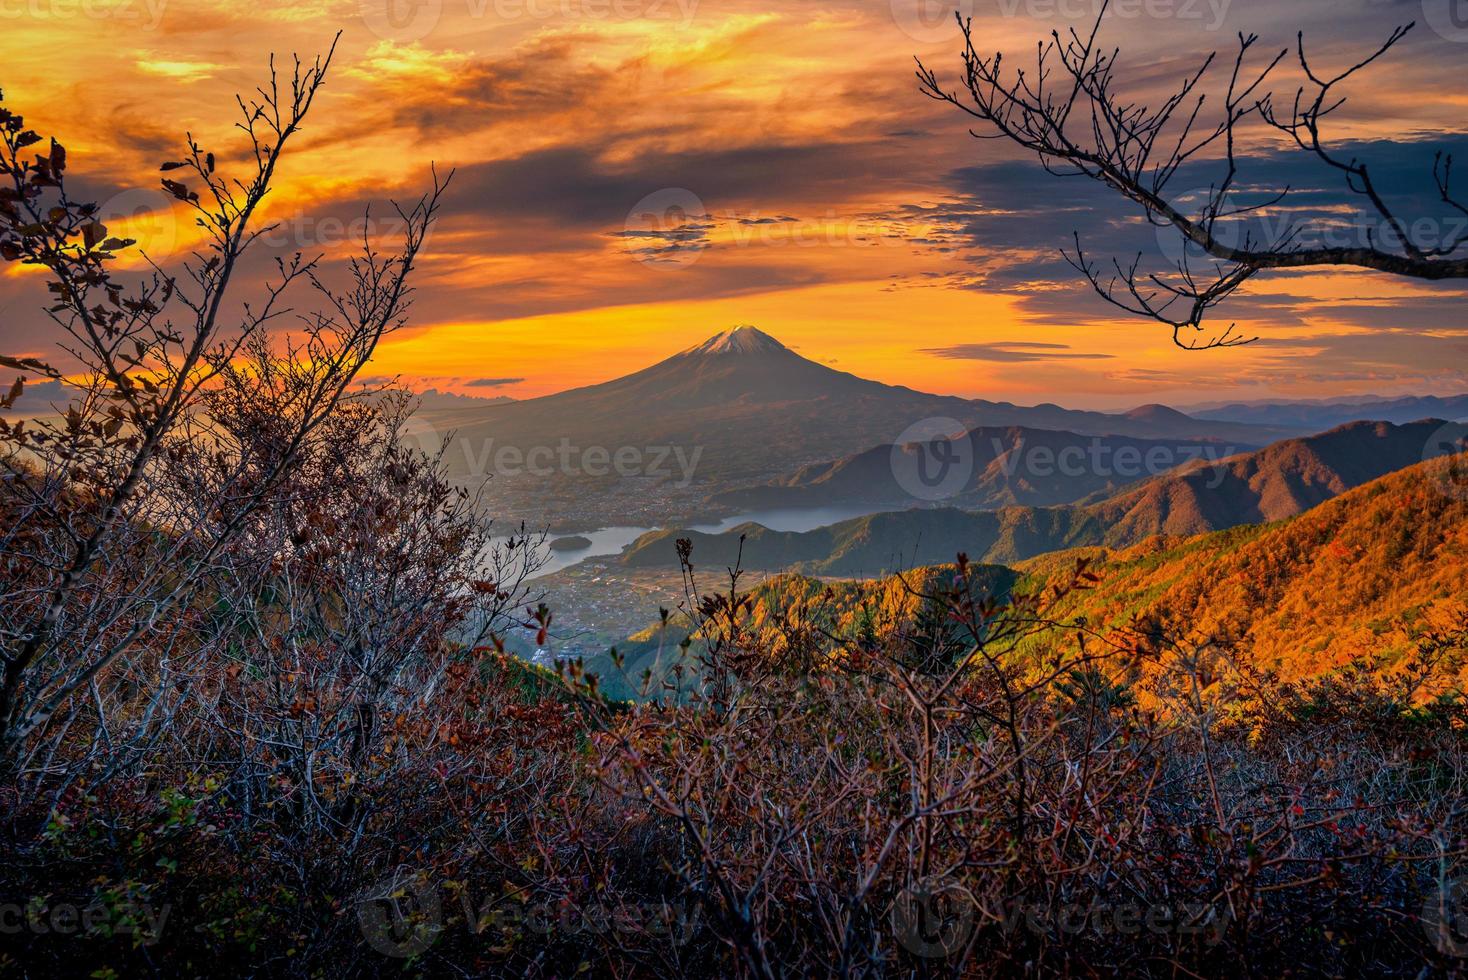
column 757, row 408
column 1361, row 577
column 1011, row 465
column 1270, row 484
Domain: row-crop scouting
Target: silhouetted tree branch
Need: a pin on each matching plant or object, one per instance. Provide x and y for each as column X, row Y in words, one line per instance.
column 103, row 557
column 1067, row 110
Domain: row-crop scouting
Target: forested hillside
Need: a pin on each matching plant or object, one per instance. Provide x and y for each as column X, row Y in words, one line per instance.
column 1363, row 576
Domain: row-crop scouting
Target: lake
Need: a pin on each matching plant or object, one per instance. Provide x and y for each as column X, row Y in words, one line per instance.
column 611, row 540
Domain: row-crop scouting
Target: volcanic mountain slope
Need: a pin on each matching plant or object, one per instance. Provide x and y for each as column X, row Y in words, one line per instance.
column 1364, row 575
column 1276, row 482
column 754, row 407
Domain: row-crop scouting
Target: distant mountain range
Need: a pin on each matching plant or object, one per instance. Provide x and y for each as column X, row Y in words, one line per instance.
column 1318, row 415
column 1366, row 576
column 1279, row 481
column 756, row 409
column 434, row 400
column 1009, row 466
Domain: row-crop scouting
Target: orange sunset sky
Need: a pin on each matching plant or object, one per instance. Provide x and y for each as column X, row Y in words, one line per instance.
column 784, row 153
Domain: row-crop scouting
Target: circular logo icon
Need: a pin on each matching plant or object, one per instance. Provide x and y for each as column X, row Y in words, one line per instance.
column 934, row 918
column 1181, row 250
column 420, row 434
column 1445, row 917
column 144, row 215
column 667, row 228
column 933, row 459
column 1451, row 440
column 1449, row 18
column 930, row 21
column 401, row 916
column 402, row 21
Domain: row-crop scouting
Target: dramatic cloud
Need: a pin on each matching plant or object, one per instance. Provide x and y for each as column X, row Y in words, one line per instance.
column 1012, row 352
column 811, row 185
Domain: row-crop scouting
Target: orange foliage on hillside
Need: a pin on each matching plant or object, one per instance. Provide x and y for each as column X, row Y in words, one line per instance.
column 1363, row 579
